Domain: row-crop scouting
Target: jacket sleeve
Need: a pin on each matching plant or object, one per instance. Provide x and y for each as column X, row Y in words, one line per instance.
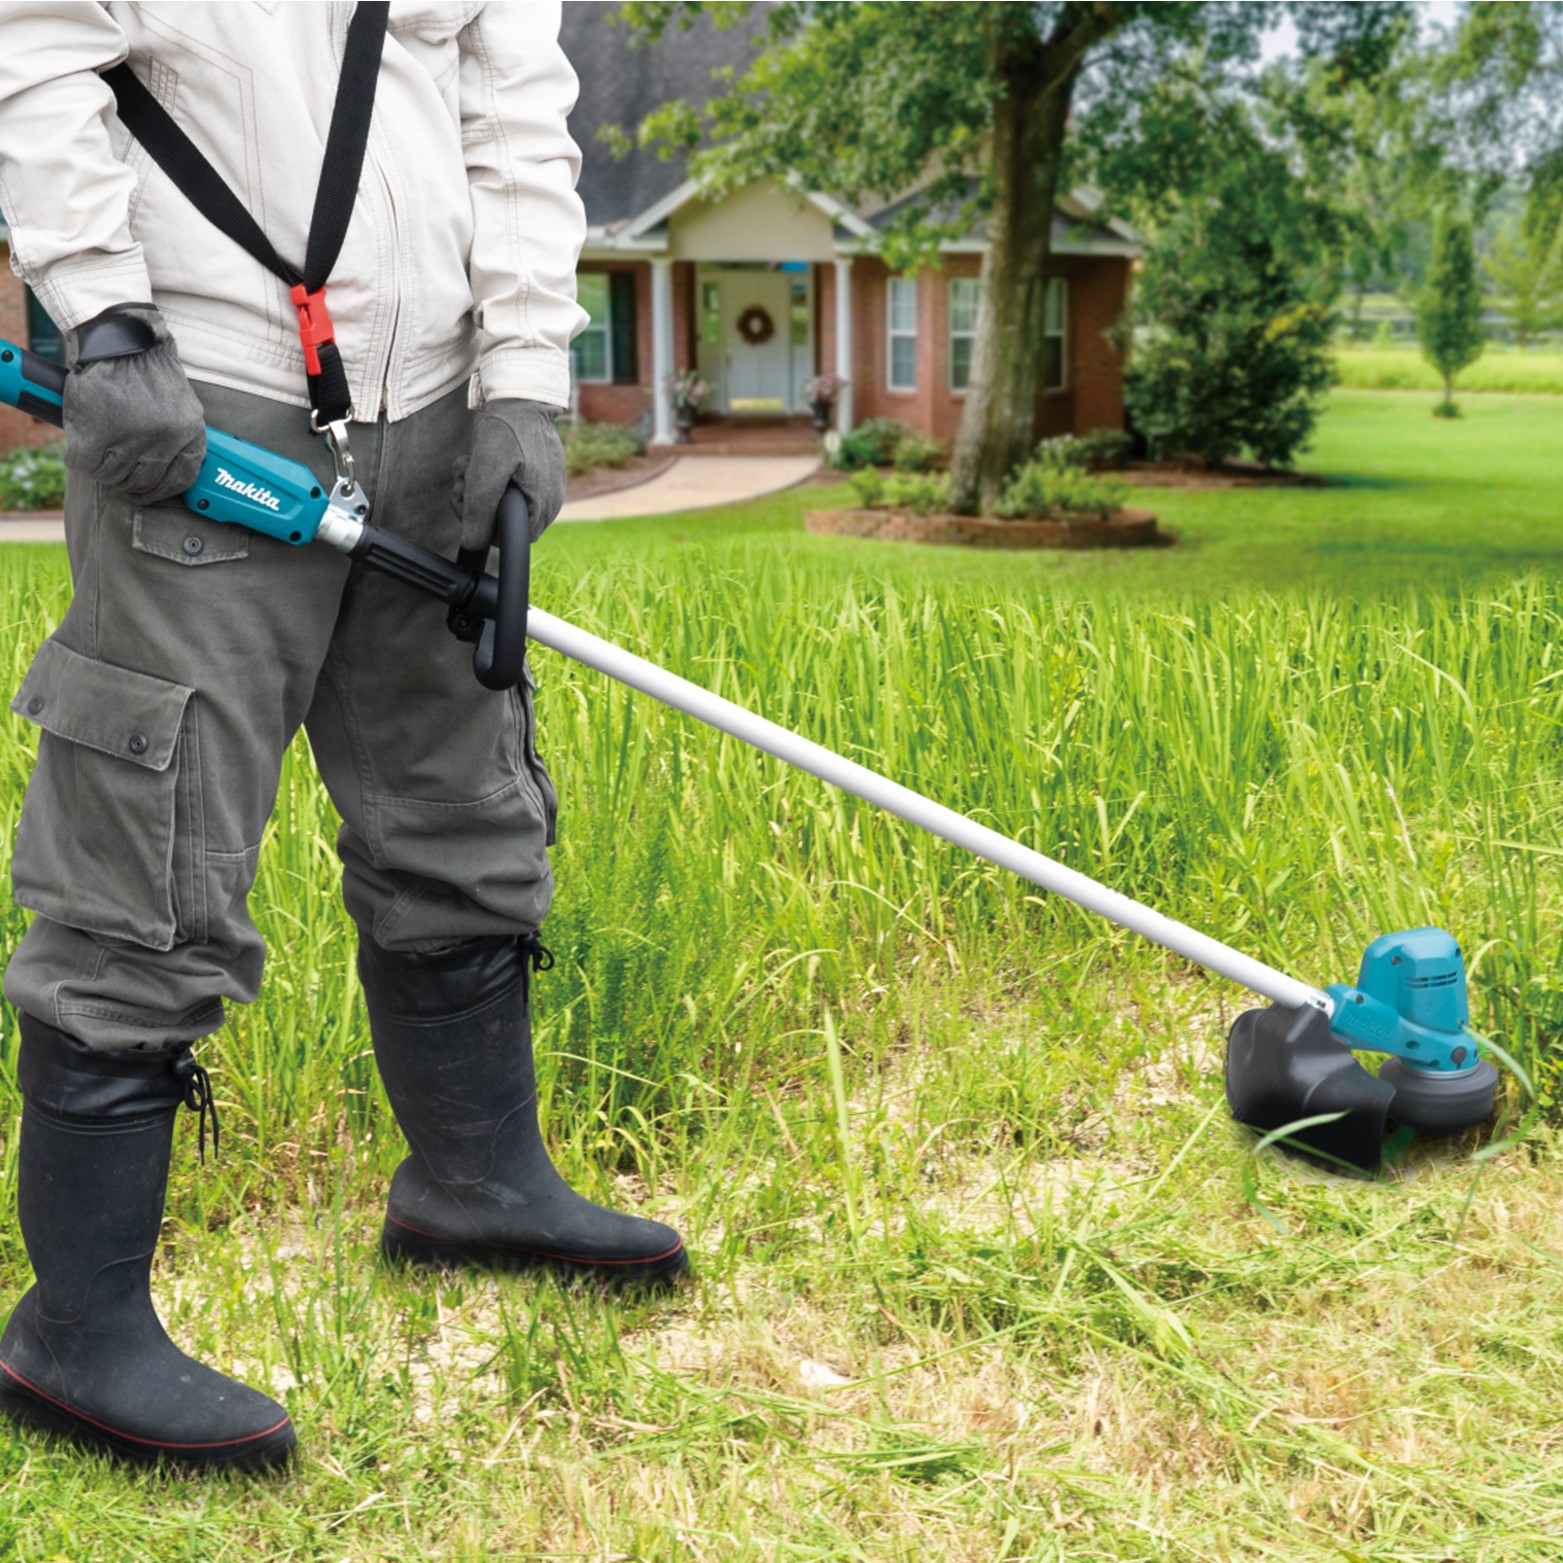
column 64, row 193
column 528, row 223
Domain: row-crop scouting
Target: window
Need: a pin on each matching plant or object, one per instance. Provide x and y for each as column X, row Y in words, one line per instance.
column 43, row 336
column 1055, row 315
column 798, row 312
column 591, row 353
column 965, row 294
column 901, row 364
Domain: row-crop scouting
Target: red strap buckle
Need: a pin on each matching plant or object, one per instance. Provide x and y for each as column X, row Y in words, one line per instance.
column 314, row 324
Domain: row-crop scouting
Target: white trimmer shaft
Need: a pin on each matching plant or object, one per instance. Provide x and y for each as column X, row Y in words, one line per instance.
column 714, row 711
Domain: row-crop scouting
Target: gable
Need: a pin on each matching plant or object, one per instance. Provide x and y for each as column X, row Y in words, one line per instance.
column 763, row 222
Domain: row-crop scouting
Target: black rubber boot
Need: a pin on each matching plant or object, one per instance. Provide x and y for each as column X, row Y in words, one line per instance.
column 452, row 1036
column 85, row 1352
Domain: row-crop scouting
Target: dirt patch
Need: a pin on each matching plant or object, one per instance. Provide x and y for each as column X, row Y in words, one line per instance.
column 609, row 480
column 1127, row 529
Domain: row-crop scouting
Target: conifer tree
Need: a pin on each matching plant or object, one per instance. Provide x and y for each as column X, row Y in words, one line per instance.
column 1449, row 309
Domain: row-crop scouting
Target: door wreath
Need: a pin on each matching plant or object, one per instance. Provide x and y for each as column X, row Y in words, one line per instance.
column 755, row 325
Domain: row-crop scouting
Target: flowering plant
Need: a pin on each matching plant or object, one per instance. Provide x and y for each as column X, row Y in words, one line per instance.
column 689, row 391
column 824, row 388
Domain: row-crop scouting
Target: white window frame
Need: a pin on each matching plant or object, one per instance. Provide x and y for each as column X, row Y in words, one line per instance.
column 967, row 336
column 892, row 334
column 1057, row 287
column 606, row 327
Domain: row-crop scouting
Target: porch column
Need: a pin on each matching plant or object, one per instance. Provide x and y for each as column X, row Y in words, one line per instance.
column 844, row 340
column 661, row 349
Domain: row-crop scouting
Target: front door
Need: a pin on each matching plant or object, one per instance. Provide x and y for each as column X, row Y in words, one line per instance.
column 759, row 372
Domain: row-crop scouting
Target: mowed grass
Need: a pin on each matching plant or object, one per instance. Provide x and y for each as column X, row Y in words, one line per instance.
column 984, row 1271
column 1403, row 368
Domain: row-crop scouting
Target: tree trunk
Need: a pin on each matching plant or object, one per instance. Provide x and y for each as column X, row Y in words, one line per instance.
column 1030, row 121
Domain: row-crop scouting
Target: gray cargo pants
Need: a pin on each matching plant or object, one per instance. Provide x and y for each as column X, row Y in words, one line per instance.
column 190, row 655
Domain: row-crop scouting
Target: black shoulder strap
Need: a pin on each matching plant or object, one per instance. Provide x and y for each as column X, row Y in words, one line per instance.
column 184, row 163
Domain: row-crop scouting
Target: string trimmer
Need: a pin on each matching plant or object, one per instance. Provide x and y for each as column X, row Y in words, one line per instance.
column 1289, row 1067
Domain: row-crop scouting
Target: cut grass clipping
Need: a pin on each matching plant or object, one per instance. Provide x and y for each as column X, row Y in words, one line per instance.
column 985, row 1273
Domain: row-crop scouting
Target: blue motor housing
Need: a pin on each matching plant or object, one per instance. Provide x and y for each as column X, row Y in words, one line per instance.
column 1410, row 1000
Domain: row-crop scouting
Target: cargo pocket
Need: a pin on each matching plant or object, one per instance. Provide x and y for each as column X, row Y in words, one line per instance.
column 175, row 533
column 97, row 847
column 534, row 764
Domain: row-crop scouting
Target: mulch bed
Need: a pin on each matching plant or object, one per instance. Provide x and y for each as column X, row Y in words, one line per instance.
column 609, row 480
column 1127, row 529
column 1231, row 474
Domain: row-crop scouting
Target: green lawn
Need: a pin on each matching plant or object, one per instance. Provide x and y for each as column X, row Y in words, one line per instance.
column 1403, row 368
column 1417, row 504
column 985, row 1272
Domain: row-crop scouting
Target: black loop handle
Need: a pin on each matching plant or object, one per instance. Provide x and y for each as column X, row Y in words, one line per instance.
column 114, row 334
column 501, row 649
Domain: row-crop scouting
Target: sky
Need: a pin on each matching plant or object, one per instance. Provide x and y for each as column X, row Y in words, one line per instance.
column 1434, row 14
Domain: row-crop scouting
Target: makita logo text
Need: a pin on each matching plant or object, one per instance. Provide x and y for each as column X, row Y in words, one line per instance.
column 261, row 496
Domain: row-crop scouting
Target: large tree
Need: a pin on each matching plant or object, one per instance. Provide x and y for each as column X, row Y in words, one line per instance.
column 988, row 112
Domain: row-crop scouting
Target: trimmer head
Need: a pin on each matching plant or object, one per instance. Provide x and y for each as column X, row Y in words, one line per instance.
column 1285, row 1066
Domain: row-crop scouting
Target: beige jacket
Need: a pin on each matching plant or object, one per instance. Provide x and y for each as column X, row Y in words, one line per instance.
column 461, row 252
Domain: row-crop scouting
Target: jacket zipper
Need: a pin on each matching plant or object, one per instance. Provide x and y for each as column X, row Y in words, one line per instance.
column 388, row 361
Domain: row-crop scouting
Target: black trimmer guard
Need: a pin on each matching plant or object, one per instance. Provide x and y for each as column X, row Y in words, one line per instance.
column 1284, row 1065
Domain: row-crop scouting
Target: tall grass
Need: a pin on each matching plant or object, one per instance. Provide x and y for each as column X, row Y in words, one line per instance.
column 984, row 1273
column 1292, row 774
column 1404, row 368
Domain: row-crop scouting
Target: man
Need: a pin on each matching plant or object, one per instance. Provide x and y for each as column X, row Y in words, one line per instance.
column 192, row 652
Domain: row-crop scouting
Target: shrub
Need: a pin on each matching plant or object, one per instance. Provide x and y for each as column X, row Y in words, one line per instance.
column 1040, row 489
column 1100, row 450
column 1229, row 354
column 919, row 493
column 588, row 446
column 870, row 444
column 1449, row 308
column 918, row 453
column 867, row 487
column 33, row 479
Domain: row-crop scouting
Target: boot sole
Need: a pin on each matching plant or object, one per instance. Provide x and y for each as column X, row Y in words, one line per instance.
column 24, row 1402
column 402, row 1244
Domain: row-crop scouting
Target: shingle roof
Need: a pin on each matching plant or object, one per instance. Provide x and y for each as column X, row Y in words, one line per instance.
column 623, row 78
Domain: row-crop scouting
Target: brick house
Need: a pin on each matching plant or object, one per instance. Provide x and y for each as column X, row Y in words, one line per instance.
column 773, row 284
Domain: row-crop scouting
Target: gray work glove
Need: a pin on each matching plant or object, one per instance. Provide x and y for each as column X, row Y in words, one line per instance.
column 132, row 422
column 511, row 440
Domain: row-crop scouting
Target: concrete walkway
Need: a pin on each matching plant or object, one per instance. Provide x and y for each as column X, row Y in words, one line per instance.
column 689, row 484
column 695, row 483
column 45, row 527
